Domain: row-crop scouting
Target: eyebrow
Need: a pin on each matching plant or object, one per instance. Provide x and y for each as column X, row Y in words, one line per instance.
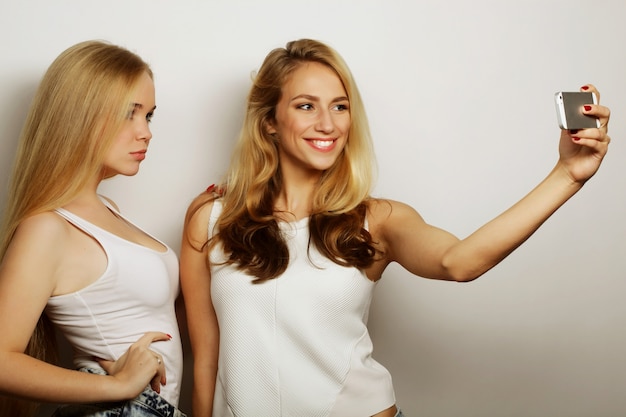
column 315, row 98
column 140, row 106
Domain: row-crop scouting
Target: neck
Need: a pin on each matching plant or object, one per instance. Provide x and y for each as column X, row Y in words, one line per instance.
column 88, row 196
column 295, row 199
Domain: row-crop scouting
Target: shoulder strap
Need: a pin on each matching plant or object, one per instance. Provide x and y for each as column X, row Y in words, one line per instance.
column 77, row 221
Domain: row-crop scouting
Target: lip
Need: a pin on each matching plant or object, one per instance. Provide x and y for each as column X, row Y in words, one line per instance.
column 139, row 155
column 322, row 144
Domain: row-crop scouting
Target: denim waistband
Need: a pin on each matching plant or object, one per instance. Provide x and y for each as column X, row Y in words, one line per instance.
column 146, row 404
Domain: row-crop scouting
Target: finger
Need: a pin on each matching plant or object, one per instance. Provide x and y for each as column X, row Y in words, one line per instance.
column 160, row 376
column 591, row 138
column 590, row 88
column 160, row 366
column 106, row 365
column 596, row 110
column 603, row 114
column 599, row 147
column 155, row 384
column 150, row 337
column 162, row 372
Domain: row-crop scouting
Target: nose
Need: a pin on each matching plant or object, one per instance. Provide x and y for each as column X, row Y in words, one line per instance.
column 144, row 132
column 325, row 121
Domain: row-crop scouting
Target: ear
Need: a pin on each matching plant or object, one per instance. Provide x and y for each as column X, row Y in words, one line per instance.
column 269, row 128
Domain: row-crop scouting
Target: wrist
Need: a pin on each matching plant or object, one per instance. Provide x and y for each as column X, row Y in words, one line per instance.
column 561, row 175
column 114, row 390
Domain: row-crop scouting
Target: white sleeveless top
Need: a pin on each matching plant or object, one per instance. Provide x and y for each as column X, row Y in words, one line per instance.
column 297, row 345
column 135, row 295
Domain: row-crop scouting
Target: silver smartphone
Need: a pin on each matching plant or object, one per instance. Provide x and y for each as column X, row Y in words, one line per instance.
column 569, row 110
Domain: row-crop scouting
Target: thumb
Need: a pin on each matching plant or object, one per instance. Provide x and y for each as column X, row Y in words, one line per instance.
column 108, row 366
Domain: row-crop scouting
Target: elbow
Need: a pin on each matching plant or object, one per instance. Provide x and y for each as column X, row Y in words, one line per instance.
column 461, row 271
column 462, row 275
column 465, row 277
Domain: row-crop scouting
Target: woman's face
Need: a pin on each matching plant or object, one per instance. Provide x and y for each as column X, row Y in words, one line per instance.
column 312, row 119
column 131, row 144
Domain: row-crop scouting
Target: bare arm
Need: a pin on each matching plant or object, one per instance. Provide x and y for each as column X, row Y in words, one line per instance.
column 28, row 276
column 431, row 252
column 201, row 320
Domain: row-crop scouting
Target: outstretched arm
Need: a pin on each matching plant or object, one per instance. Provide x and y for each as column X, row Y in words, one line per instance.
column 434, row 253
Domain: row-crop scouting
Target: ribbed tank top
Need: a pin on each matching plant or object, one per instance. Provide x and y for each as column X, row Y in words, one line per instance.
column 297, row 345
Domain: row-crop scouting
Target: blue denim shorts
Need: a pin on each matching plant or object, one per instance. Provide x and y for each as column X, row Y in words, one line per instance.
column 146, row 404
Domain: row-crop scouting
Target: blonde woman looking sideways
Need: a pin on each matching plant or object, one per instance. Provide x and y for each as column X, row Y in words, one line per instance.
column 296, row 245
column 69, row 258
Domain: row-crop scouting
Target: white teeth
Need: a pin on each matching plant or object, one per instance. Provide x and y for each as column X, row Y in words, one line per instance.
column 322, row 143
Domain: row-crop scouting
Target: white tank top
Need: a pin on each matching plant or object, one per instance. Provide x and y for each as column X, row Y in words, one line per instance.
column 135, row 295
column 297, row 345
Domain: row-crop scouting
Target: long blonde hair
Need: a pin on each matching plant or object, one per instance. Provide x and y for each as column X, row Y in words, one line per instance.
column 248, row 228
column 79, row 107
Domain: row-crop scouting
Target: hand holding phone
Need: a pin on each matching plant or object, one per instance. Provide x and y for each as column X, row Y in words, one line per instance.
column 569, row 110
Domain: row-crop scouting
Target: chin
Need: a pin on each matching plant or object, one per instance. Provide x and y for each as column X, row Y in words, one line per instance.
column 326, row 165
column 129, row 173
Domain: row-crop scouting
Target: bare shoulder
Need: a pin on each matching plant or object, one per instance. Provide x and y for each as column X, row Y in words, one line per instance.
column 46, row 229
column 197, row 220
column 383, row 212
column 43, row 237
column 29, row 274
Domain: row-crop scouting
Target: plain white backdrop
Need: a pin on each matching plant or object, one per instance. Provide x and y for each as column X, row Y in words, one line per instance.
column 459, row 98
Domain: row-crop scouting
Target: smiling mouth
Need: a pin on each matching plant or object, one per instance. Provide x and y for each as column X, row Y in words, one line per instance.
column 322, row 144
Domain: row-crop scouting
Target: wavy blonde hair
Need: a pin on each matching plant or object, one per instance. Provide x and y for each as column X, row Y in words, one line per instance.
column 79, row 108
column 248, row 228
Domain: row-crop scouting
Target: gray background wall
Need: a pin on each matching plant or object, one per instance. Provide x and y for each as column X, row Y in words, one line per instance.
column 459, row 97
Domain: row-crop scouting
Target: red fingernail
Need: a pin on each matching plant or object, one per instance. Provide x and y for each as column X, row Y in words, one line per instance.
column 210, row 188
column 168, row 335
column 587, row 108
column 585, row 87
column 575, row 138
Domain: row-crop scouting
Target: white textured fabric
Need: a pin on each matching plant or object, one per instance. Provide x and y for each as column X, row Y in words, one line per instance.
column 297, row 345
column 135, row 295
